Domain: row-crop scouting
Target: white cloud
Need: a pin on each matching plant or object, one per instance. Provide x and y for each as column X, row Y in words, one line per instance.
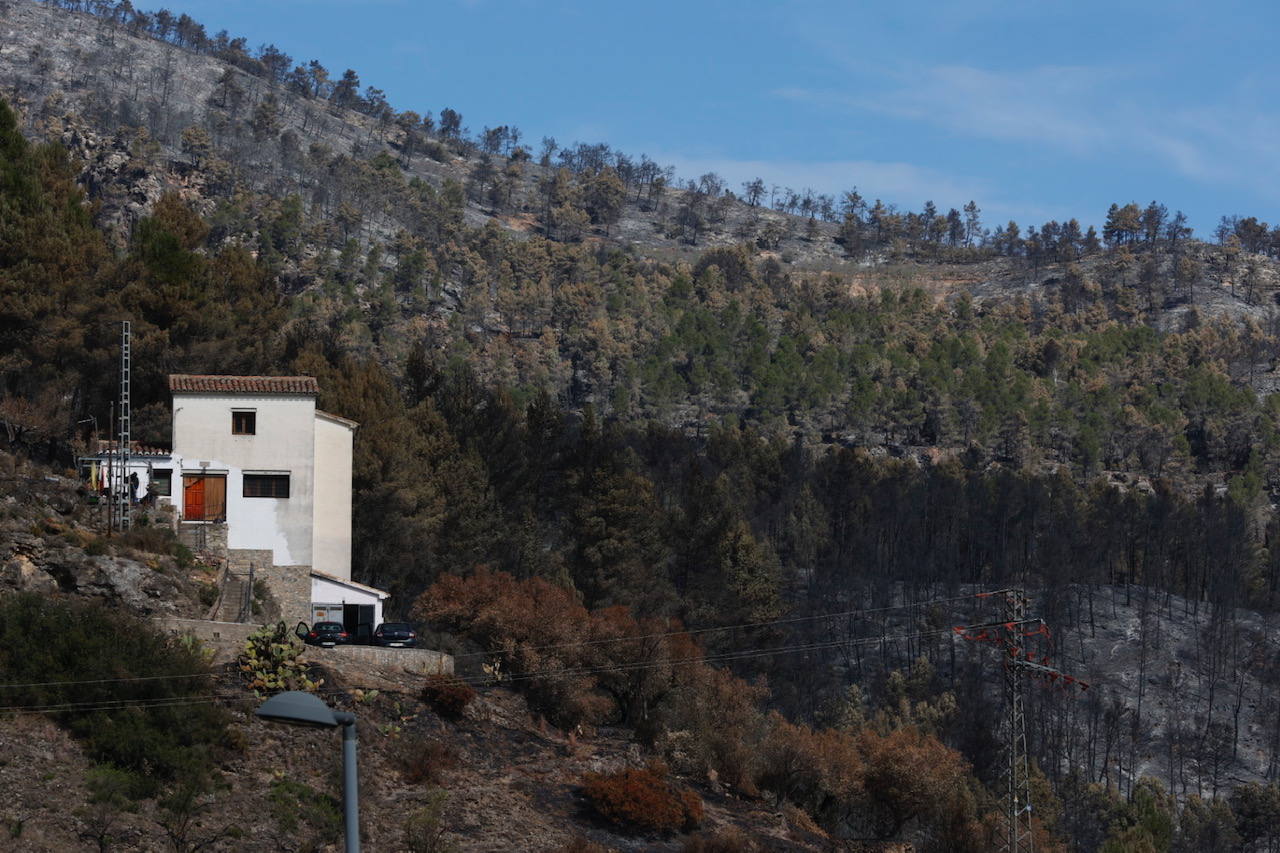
column 1048, row 104
column 1085, row 111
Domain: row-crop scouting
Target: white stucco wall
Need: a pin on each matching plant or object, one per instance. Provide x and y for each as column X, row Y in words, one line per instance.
column 140, row 465
column 324, row 591
column 331, row 532
column 283, row 443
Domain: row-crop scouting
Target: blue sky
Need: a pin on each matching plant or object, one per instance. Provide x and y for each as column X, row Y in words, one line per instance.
column 1034, row 110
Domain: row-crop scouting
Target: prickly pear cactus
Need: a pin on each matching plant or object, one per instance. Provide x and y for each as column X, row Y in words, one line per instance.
column 269, row 662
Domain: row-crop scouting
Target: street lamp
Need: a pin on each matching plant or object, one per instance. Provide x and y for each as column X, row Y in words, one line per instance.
column 304, row 709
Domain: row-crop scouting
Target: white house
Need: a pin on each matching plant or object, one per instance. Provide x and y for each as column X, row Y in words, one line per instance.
column 150, row 470
column 254, row 453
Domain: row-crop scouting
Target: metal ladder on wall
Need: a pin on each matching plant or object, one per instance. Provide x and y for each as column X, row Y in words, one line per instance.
column 124, row 491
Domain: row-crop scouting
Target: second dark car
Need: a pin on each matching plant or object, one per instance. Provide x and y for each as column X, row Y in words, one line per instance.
column 398, row 635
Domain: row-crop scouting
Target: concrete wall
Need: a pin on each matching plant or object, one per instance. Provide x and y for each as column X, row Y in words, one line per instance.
column 283, row 443
column 329, row 592
column 227, row 639
column 331, row 532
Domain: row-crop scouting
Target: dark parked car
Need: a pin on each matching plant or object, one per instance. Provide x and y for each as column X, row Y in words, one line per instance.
column 323, row 634
column 398, row 635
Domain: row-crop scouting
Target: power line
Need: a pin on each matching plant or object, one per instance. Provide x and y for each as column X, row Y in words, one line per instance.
column 8, row 686
column 571, row 672
column 761, row 624
column 576, row 644
column 91, row 706
column 741, row 654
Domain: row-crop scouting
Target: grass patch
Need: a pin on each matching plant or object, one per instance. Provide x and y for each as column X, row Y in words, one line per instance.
column 123, row 688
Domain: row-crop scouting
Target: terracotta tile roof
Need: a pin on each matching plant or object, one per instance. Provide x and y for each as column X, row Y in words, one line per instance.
column 188, row 383
column 135, row 448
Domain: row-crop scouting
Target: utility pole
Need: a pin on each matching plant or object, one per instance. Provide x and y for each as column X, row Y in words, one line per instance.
column 1019, row 663
column 124, row 436
column 1018, row 837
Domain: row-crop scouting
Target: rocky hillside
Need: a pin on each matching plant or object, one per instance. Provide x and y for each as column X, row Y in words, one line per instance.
column 53, row 541
column 497, row 779
column 92, row 84
column 211, row 131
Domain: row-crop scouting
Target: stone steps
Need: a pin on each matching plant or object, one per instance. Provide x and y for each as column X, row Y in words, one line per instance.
column 232, row 608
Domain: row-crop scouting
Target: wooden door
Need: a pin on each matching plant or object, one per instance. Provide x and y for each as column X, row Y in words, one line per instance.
column 204, row 497
column 215, row 497
column 193, row 498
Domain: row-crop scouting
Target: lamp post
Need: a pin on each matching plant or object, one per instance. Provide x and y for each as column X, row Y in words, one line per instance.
column 297, row 708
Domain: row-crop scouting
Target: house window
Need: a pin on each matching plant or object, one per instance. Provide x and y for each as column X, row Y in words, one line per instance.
column 266, row 485
column 161, row 482
column 244, row 423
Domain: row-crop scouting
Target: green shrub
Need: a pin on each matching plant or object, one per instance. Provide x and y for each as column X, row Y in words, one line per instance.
column 183, row 555
column 424, row 829
column 263, row 600
column 300, row 810
column 643, row 799
column 117, row 683
column 109, row 798
column 157, row 539
column 448, row 696
column 154, row 540
column 207, row 593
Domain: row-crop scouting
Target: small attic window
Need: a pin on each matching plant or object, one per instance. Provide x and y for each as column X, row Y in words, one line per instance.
column 244, row 422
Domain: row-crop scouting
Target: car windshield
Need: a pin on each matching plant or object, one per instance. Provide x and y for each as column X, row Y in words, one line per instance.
column 328, row 626
column 398, row 627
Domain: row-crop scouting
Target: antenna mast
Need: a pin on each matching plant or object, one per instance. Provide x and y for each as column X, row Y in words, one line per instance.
column 125, row 489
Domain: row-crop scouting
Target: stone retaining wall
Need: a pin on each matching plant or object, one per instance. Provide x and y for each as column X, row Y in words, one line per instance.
column 225, row 638
column 289, row 585
column 228, row 638
column 421, row 661
column 204, row 536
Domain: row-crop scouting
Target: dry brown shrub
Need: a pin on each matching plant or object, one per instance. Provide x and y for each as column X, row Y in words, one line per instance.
column 581, row 845
column 909, row 775
column 426, row 762
column 643, row 800
column 448, row 696
column 799, row 819
column 566, row 659
column 878, row 783
column 819, row 770
column 727, row 839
